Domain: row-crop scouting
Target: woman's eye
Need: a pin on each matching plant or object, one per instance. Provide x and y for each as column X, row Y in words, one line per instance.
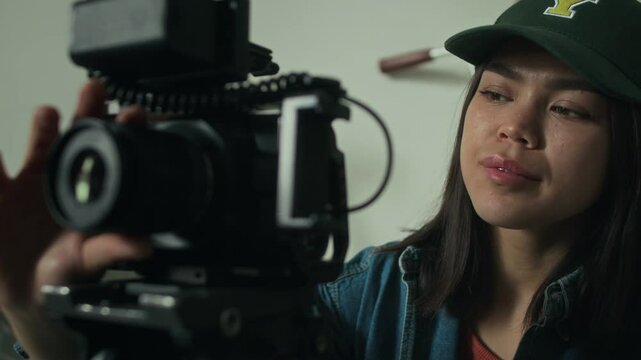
column 567, row 112
column 494, row 96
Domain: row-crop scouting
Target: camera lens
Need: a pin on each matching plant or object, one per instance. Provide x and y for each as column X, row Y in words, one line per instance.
column 87, row 177
column 137, row 179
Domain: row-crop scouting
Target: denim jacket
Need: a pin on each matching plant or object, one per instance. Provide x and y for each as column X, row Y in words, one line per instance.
column 373, row 316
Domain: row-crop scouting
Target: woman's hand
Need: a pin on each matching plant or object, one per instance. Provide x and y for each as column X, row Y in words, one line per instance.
column 26, row 228
column 34, row 251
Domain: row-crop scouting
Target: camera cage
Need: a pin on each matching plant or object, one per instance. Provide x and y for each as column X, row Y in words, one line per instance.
column 190, row 310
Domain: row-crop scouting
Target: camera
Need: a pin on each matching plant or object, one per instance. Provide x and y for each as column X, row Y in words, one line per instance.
column 241, row 192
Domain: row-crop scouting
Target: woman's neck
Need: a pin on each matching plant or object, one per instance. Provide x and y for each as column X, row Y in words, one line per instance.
column 522, row 260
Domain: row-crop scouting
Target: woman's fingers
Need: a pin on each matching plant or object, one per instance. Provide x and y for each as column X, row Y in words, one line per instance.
column 3, row 174
column 76, row 256
column 91, row 101
column 45, row 126
column 135, row 114
column 44, row 132
column 132, row 115
column 101, row 251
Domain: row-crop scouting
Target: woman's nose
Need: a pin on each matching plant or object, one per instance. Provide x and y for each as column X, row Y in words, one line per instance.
column 522, row 125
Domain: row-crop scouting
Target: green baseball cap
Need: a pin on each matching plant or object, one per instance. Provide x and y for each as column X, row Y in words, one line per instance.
column 599, row 39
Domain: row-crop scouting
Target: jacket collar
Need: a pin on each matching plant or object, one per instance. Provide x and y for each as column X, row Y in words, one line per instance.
column 410, row 260
column 559, row 296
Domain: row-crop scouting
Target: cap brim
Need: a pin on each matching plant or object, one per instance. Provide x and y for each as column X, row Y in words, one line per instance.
column 478, row 44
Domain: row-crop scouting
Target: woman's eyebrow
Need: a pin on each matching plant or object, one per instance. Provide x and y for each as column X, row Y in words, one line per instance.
column 503, row 70
column 559, row 83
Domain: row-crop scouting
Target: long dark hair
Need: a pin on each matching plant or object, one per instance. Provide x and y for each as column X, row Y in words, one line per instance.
column 455, row 270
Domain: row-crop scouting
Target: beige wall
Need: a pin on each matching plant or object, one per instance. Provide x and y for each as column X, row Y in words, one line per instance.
column 337, row 38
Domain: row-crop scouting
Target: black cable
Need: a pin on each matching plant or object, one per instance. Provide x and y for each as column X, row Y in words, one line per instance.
column 390, row 155
column 230, row 96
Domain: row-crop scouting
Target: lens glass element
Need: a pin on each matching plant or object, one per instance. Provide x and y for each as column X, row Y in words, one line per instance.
column 87, row 176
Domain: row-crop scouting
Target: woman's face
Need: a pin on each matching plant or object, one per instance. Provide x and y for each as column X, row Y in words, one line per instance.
column 535, row 141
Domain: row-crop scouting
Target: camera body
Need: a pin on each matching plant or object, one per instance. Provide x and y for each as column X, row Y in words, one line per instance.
column 234, row 178
column 241, row 192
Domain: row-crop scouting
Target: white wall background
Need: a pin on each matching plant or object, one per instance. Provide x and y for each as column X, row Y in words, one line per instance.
column 337, row 38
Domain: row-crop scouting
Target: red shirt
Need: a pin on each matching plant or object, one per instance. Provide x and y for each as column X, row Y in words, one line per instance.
column 472, row 348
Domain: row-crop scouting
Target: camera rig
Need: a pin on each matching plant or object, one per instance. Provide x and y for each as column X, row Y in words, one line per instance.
column 241, row 193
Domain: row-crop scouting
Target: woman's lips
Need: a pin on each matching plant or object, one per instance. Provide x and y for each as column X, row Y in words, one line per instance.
column 507, row 171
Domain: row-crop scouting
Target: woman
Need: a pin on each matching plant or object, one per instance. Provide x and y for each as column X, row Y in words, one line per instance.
column 532, row 254
column 534, row 251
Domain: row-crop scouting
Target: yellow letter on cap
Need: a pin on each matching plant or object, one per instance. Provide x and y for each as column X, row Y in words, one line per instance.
column 565, row 8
